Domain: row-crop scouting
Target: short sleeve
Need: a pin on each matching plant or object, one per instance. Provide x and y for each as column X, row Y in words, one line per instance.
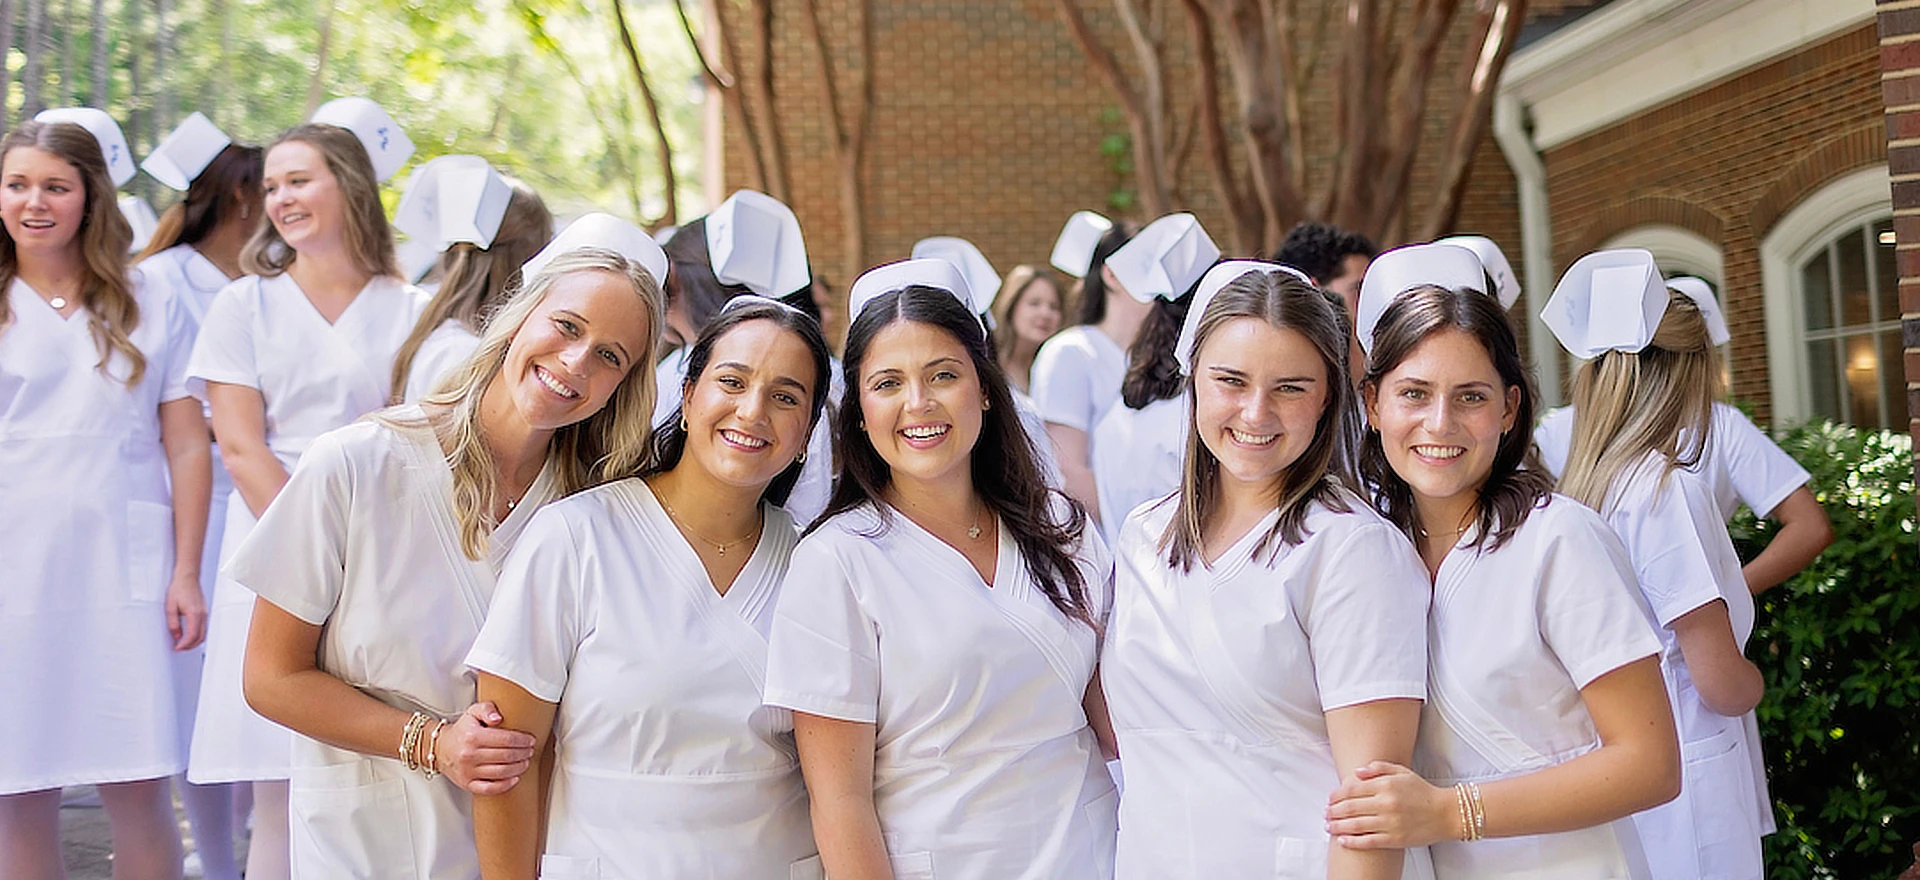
column 295, row 557
column 824, row 655
column 1063, row 383
column 446, row 348
column 1554, row 437
column 1590, row 613
column 1666, row 538
column 1762, row 473
column 224, row 351
column 541, row 609
column 1364, row 609
column 1097, row 566
column 180, row 339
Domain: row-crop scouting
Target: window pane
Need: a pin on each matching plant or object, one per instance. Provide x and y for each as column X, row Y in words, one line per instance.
column 1893, row 379
column 1822, row 380
column 1863, row 380
column 1885, row 274
column 1855, row 300
column 1817, row 290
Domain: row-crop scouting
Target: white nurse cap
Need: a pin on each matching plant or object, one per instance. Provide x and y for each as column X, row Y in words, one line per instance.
column 753, row 240
column 1608, row 301
column 664, row 234
column 140, row 216
column 882, row 280
column 105, row 131
column 607, row 232
column 387, row 144
column 1216, row 279
column 453, row 199
column 1073, row 250
column 1698, row 290
column 982, row 280
column 1399, row 270
column 416, row 256
column 1505, row 285
column 1165, row 259
column 186, row 152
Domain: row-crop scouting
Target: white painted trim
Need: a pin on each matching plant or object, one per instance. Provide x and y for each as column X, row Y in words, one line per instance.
column 1536, row 242
column 1849, row 201
column 1633, row 55
column 1676, row 249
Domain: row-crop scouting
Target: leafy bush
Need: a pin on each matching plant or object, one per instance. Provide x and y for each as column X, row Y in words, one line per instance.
column 1840, row 647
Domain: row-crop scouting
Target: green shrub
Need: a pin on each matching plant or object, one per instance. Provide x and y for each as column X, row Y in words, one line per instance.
column 1840, row 647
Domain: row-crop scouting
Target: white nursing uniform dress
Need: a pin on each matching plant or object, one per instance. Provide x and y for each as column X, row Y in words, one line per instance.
column 1512, row 637
column 444, row 350
column 1036, row 427
column 1138, row 457
column 86, row 541
column 1218, row 680
column 1076, row 377
column 1684, row 560
column 363, row 542
column 264, row 333
column 1741, row 464
column 984, row 766
column 668, row 764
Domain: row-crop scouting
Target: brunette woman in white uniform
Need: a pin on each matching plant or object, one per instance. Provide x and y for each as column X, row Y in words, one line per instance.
column 1644, row 399
column 1543, row 675
column 104, row 474
column 194, row 253
column 1269, row 628
column 947, row 570
column 299, row 347
column 630, row 633
column 1077, row 373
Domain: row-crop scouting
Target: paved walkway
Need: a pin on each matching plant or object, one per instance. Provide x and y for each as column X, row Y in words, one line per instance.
column 87, row 841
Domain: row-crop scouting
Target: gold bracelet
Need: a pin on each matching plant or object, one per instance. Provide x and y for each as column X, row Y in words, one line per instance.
column 410, row 740
column 433, row 743
column 1479, row 811
column 1466, row 811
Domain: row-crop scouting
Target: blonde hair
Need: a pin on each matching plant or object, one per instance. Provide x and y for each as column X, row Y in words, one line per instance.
column 104, row 239
column 369, row 240
column 1628, row 404
column 607, row 445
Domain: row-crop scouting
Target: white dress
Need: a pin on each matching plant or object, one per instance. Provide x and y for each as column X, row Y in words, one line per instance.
column 86, row 541
column 1076, row 377
column 1138, row 457
column 1512, row 637
column 447, row 347
column 1684, row 560
column 1036, row 428
column 984, row 766
column 363, row 542
column 1218, row 680
column 264, row 333
column 1741, row 464
column 667, row 764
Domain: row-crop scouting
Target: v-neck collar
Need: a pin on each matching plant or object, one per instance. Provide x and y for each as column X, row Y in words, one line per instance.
column 749, row 589
column 1006, row 558
column 1235, row 558
column 28, row 292
column 340, row 319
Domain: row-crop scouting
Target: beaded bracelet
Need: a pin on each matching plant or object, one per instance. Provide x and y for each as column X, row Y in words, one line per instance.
column 433, row 743
column 410, row 739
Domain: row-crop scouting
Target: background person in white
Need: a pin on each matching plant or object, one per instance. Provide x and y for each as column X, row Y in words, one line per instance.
column 102, row 557
column 303, row 345
column 1543, row 681
column 641, row 608
column 946, row 569
column 1077, row 373
column 376, row 563
column 1269, row 628
column 1644, row 401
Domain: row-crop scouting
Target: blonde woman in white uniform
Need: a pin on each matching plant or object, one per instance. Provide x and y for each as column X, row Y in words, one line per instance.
column 630, row 632
column 303, row 345
column 937, row 635
column 1644, row 399
column 1542, row 676
column 1077, row 372
column 104, row 474
column 1269, row 628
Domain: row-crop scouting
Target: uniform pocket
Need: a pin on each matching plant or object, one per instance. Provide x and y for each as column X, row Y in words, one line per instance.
column 911, row 866
column 349, row 822
column 554, row 867
column 1719, row 783
column 809, row 868
column 1100, row 816
column 1299, row 858
column 149, row 549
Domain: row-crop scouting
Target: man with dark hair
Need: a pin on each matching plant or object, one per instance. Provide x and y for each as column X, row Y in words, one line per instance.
column 1335, row 259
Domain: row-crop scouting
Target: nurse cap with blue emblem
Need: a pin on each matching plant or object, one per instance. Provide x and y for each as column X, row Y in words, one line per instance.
column 453, row 199
column 754, row 241
column 1073, row 250
column 1216, row 279
column 892, row 277
column 106, row 133
column 983, row 282
column 1698, row 290
column 1397, row 271
column 605, row 232
column 1165, row 259
column 386, row 143
column 187, row 151
column 1608, row 301
column 141, row 219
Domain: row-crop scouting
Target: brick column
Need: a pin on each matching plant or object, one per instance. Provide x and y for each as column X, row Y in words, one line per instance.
column 1900, row 89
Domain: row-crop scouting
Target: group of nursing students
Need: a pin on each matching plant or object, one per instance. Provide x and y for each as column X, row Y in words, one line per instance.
column 507, row 591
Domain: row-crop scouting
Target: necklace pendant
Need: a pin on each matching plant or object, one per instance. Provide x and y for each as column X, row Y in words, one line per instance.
column 723, row 549
column 973, row 532
column 58, row 302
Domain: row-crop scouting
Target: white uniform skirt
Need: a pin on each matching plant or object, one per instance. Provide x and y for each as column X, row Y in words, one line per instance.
column 231, row 742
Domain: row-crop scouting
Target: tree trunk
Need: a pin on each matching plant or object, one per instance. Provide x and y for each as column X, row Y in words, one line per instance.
column 1263, row 119
column 33, row 74
column 1147, row 173
column 662, row 149
column 1243, row 211
column 1408, row 103
column 767, row 103
column 163, row 104
column 6, row 72
column 99, row 76
column 317, row 86
column 849, row 135
column 1498, row 23
column 64, row 95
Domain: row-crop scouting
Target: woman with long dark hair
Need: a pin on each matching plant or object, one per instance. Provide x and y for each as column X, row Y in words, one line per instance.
column 946, row 568
column 1077, row 373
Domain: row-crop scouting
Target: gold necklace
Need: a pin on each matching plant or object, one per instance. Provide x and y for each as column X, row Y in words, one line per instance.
column 973, row 529
column 1466, row 523
column 719, row 546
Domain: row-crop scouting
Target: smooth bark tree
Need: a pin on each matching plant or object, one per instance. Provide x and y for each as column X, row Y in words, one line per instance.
column 663, row 149
column 33, row 73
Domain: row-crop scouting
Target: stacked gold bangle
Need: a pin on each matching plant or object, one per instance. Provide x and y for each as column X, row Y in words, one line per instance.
column 410, row 739
column 1473, row 814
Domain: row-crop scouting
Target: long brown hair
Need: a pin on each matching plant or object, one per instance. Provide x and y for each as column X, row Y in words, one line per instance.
column 1020, row 281
column 230, row 183
column 369, row 239
column 474, row 280
column 106, row 293
column 1323, row 472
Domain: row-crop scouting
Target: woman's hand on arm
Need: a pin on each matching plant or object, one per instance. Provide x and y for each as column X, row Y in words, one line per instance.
column 1804, row 532
column 240, row 424
column 509, row 825
column 1072, row 452
column 837, row 759
column 183, row 434
column 1727, row 681
column 1381, row 731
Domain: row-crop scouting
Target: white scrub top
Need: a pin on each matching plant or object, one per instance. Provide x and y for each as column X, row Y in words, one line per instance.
column 1512, row 637
column 1218, row 680
column 1036, row 428
column 363, row 542
column 668, row 765
column 264, row 333
column 984, row 766
column 1076, row 377
column 86, row 540
column 1684, row 560
column 1138, row 458
column 1741, row 464
column 446, row 348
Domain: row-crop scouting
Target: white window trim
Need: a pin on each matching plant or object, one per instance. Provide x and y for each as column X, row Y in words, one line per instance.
column 1852, row 200
column 1676, row 249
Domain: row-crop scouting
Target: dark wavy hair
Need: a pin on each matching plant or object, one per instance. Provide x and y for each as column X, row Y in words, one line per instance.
column 229, row 183
column 1318, row 249
column 670, row 441
column 1005, row 467
column 1518, row 482
column 1153, row 372
column 1092, row 289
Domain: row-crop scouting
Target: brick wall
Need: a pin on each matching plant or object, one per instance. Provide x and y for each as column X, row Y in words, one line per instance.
column 1899, row 44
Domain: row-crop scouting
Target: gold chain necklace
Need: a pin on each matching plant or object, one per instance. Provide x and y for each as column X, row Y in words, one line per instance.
column 973, row 529
column 719, row 546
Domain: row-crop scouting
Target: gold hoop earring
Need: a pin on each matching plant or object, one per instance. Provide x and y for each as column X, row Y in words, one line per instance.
column 683, row 424
column 802, row 459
